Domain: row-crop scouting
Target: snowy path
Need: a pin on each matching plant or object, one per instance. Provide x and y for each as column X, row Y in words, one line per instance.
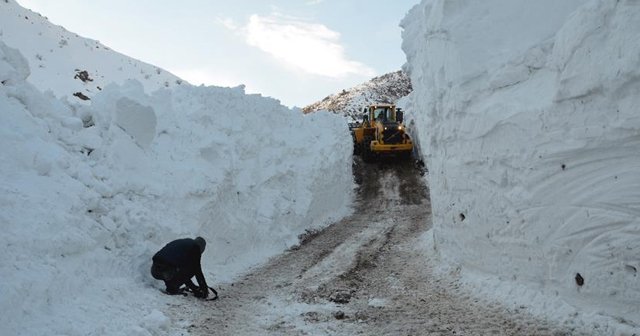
column 364, row 275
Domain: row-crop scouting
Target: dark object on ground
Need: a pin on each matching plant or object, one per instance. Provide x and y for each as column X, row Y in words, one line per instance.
column 198, row 293
column 422, row 168
column 179, row 261
column 339, row 315
column 83, row 76
column 81, row 96
column 579, row 279
column 215, row 293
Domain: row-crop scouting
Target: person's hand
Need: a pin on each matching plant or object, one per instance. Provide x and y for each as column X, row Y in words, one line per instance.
column 202, row 292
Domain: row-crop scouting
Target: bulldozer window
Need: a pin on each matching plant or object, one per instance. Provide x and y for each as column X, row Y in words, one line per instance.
column 384, row 113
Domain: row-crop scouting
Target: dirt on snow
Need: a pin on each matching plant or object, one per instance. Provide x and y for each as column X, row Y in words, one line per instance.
column 369, row 274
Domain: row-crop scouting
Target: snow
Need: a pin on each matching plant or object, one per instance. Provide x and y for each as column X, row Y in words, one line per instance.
column 90, row 190
column 55, row 57
column 377, row 302
column 527, row 119
column 525, row 113
column 386, row 88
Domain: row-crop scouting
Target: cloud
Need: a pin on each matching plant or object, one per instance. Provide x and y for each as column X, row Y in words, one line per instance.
column 309, row 47
column 314, row 2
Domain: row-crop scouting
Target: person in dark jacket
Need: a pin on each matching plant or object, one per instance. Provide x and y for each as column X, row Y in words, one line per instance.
column 177, row 262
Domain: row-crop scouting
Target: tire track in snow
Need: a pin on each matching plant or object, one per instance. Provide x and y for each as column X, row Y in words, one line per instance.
column 368, row 274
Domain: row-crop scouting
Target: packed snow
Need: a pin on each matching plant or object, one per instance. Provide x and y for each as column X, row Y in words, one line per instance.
column 528, row 121
column 90, row 190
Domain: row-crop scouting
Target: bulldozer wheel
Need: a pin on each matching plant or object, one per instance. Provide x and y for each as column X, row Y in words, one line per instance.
column 356, row 146
column 367, row 155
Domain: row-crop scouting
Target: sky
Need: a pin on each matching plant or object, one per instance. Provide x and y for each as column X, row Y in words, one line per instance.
column 297, row 51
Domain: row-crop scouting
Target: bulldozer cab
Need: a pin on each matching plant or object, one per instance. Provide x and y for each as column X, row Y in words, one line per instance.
column 384, row 113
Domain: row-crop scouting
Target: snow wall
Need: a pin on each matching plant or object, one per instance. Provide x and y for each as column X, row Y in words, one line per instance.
column 88, row 193
column 529, row 123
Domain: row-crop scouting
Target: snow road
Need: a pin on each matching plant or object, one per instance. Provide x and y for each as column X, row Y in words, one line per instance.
column 368, row 274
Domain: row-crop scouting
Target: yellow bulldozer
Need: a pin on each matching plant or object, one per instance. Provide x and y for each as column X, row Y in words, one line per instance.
column 381, row 133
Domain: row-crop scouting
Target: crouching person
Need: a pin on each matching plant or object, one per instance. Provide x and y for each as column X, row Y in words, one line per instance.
column 179, row 261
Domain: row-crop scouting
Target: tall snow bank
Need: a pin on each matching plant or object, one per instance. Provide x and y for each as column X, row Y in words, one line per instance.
column 89, row 193
column 528, row 120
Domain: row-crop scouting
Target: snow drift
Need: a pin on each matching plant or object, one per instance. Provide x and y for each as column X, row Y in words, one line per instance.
column 88, row 192
column 529, row 125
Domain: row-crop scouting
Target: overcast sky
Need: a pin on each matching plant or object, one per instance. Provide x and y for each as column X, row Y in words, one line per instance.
column 297, row 51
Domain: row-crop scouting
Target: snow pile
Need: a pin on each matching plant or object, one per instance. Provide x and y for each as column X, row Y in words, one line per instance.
column 529, row 125
column 89, row 192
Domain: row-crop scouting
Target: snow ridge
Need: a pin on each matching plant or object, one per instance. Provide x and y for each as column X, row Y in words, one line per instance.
column 70, row 65
column 387, row 88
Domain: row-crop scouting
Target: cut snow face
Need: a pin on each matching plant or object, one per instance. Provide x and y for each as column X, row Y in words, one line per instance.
column 528, row 115
column 137, row 120
column 89, row 192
